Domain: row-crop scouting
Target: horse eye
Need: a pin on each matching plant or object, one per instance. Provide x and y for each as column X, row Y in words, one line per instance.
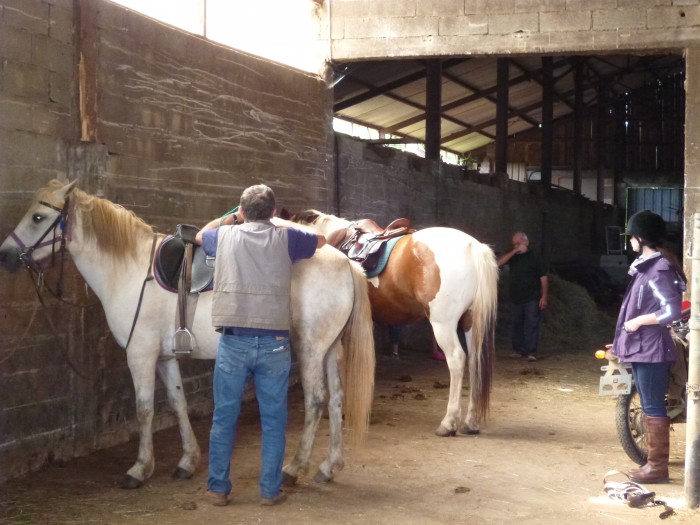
column 37, row 218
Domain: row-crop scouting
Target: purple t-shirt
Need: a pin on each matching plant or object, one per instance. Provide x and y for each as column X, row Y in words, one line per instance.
column 300, row 244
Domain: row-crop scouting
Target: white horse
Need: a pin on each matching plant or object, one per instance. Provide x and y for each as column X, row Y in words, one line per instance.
column 112, row 249
column 451, row 279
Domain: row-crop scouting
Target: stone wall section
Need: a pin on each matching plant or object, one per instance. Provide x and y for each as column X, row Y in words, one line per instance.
column 383, row 184
column 367, row 29
column 182, row 126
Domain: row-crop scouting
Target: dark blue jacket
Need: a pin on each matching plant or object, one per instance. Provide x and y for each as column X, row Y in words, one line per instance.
column 656, row 288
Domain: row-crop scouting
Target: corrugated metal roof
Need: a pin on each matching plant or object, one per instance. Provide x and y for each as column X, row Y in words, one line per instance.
column 391, row 95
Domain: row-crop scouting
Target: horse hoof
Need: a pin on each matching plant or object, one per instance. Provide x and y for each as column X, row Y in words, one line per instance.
column 320, row 477
column 288, row 479
column 445, row 432
column 180, row 474
column 469, row 431
column 130, row 482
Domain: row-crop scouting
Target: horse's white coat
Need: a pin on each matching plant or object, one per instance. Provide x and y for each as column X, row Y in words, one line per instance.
column 329, row 303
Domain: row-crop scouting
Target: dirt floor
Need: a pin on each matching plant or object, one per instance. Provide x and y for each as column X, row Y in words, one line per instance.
column 540, row 458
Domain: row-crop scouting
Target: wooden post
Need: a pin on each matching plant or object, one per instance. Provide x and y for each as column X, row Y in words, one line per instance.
column 86, row 42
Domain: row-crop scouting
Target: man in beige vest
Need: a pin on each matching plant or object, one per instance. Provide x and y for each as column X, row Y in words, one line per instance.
column 252, row 283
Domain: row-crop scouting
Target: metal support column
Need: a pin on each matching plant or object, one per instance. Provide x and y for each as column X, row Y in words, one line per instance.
column 433, row 100
column 601, row 138
column 547, row 121
column 502, row 77
column 578, row 124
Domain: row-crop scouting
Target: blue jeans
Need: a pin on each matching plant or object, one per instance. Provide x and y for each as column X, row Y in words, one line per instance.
column 651, row 380
column 268, row 360
column 526, row 327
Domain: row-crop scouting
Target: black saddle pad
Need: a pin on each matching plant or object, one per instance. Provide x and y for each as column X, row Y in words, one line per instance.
column 168, row 262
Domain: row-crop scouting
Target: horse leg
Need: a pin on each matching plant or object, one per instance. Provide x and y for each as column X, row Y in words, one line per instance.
column 335, row 414
column 470, row 425
column 446, row 337
column 169, row 373
column 143, row 374
column 312, row 382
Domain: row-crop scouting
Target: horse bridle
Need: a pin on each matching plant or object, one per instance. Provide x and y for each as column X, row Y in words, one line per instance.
column 25, row 252
column 32, row 266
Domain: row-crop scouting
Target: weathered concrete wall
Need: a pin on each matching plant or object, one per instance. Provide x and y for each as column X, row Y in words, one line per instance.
column 188, row 124
column 384, row 184
column 179, row 127
column 692, row 155
column 366, row 29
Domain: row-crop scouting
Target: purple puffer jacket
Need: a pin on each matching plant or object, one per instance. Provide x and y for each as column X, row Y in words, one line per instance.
column 655, row 288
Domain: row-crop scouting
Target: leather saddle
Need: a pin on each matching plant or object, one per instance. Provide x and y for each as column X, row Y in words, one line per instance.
column 168, row 265
column 181, row 266
column 365, row 241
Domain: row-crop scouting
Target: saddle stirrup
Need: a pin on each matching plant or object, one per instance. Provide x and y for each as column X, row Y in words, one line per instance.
column 184, row 342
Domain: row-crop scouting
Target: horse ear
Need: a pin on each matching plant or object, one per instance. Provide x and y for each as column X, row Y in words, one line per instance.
column 68, row 187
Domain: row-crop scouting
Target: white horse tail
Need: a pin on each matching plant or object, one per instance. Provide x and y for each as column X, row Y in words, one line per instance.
column 359, row 359
column 483, row 318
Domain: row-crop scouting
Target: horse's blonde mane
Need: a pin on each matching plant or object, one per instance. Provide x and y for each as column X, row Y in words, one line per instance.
column 114, row 229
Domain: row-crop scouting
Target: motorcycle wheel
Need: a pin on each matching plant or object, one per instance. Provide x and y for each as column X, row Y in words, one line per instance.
column 631, row 427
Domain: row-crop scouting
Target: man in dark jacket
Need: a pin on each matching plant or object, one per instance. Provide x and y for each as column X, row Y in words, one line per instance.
column 528, row 292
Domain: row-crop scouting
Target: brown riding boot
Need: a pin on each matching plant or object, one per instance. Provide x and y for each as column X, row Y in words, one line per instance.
column 658, row 444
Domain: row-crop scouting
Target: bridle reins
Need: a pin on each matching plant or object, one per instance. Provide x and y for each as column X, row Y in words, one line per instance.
column 33, row 267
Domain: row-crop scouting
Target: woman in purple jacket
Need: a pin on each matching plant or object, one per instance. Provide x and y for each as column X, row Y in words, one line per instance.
column 652, row 301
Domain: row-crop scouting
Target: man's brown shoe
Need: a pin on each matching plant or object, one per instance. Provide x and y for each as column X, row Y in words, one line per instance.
column 268, row 502
column 217, row 498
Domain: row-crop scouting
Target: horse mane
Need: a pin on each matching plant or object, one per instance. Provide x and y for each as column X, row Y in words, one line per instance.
column 114, row 229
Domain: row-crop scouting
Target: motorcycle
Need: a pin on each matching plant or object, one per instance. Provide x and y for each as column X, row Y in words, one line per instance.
column 618, row 381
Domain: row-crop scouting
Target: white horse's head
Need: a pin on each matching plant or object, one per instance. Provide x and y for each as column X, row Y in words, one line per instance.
column 323, row 223
column 62, row 216
column 40, row 230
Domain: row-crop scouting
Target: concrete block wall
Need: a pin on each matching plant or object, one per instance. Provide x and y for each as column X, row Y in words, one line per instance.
column 384, row 184
column 40, row 397
column 366, row 29
column 189, row 124
column 182, row 127
column 37, row 103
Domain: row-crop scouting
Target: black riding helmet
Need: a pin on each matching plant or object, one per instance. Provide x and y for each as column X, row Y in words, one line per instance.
column 647, row 226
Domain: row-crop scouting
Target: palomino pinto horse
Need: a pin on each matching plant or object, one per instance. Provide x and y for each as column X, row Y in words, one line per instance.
column 451, row 279
column 112, row 249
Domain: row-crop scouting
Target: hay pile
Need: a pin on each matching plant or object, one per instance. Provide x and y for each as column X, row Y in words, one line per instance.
column 572, row 323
